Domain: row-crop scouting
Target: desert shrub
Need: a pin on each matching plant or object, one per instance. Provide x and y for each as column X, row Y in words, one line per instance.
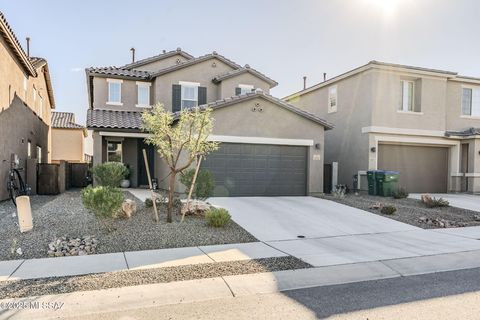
column 437, row 202
column 340, row 191
column 103, row 201
column 388, row 210
column 400, row 193
column 109, row 174
column 218, row 217
column 204, row 184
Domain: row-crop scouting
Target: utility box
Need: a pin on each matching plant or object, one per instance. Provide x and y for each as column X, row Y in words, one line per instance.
column 24, row 213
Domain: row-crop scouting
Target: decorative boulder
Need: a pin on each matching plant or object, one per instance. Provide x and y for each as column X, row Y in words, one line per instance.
column 196, row 207
column 129, row 207
column 426, row 198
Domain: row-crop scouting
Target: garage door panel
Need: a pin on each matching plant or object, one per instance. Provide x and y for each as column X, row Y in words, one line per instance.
column 255, row 170
column 422, row 168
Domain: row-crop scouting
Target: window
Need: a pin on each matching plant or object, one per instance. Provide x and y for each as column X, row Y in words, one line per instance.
column 408, row 88
column 143, row 92
column 189, row 94
column 114, row 151
column 245, row 88
column 39, row 154
column 40, row 112
column 29, row 149
column 114, row 91
column 34, row 99
column 471, row 102
column 25, row 84
column 332, row 99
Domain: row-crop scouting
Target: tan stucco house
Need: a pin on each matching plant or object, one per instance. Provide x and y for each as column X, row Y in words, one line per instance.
column 67, row 138
column 26, row 100
column 268, row 147
column 421, row 122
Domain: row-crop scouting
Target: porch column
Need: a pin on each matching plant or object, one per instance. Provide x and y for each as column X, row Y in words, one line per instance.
column 97, row 148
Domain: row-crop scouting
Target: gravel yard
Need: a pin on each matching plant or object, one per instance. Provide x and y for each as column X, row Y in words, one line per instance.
column 413, row 211
column 34, row 287
column 65, row 215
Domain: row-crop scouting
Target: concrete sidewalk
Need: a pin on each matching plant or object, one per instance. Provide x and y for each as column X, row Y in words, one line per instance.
column 135, row 297
column 98, row 263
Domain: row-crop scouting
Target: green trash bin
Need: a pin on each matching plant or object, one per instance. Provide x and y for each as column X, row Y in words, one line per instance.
column 387, row 182
column 372, row 182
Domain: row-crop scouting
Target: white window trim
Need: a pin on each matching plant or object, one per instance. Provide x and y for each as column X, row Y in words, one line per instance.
column 143, row 84
column 413, row 97
column 114, row 103
column 188, row 84
column 247, row 87
column 330, row 108
column 471, row 115
column 417, row 113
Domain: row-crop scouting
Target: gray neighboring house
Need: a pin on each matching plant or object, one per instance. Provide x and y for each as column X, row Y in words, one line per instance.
column 421, row 122
column 268, row 147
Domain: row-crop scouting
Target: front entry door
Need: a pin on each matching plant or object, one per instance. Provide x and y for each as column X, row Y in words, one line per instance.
column 142, row 171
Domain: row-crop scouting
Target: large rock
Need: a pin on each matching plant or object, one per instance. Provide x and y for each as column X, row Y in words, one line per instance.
column 196, row 207
column 129, row 207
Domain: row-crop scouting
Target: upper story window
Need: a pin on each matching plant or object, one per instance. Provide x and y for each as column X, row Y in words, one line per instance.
column 245, row 88
column 39, row 154
column 143, row 93
column 332, row 99
column 471, row 102
column 29, row 149
column 189, row 94
column 408, row 95
column 114, row 91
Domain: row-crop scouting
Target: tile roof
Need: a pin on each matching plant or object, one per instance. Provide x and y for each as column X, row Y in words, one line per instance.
column 120, row 72
column 245, row 69
column 65, row 120
column 112, row 119
column 260, row 94
column 15, row 45
column 464, row 133
column 195, row 61
column 158, row 58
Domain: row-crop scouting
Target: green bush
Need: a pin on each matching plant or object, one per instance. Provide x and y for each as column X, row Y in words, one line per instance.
column 388, row 210
column 109, row 174
column 204, row 184
column 217, row 217
column 437, row 202
column 400, row 194
column 104, row 202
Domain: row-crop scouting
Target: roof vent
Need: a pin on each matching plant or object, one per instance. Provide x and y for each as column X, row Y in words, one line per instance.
column 304, row 82
column 247, row 66
column 214, row 53
column 164, row 51
column 28, row 46
column 179, row 49
column 133, row 54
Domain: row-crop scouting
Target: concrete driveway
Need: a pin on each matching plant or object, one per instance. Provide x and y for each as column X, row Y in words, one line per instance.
column 334, row 233
column 459, row 200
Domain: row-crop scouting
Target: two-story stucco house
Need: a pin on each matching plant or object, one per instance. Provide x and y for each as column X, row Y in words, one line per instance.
column 26, row 100
column 421, row 122
column 268, row 147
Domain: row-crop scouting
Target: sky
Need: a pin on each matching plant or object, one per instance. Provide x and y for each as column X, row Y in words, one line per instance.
column 286, row 40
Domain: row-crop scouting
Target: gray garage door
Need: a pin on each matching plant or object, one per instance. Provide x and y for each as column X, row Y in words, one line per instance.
column 258, row 170
column 422, row 168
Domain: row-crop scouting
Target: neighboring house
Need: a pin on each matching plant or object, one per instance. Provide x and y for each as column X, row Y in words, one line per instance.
column 67, row 138
column 421, row 122
column 268, row 147
column 26, row 100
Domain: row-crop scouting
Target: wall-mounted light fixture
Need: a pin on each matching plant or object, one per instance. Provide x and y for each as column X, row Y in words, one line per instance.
column 373, row 149
column 317, row 146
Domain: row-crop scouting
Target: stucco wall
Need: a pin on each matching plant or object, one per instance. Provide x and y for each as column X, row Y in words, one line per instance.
column 344, row 144
column 129, row 95
column 67, row 144
column 161, row 64
column 227, row 86
column 18, row 125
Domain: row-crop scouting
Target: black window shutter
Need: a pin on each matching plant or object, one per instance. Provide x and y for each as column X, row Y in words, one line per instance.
column 238, row 91
column 176, row 97
column 202, row 95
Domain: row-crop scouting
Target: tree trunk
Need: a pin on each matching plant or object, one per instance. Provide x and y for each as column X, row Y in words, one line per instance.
column 171, row 196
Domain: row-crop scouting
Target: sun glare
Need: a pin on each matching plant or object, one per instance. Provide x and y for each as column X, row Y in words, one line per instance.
column 388, row 7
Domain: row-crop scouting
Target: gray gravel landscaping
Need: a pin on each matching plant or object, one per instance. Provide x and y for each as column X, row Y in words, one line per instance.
column 34, row 287
column 413, row 211
column 65, row 215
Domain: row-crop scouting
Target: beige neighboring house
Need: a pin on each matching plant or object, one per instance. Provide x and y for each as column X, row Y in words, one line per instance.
column 68, row 138
column 421, row 122
column 268, row 147
column 26, row 100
